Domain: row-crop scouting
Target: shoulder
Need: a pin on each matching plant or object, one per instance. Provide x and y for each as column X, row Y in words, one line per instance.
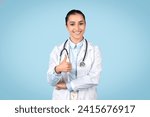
column 57, row 49
column 92, row 46
column 95, row 49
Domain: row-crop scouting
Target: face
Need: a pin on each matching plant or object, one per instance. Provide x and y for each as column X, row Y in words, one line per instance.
column 76, row 27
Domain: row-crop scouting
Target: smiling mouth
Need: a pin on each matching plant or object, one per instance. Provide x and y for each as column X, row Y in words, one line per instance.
column 77, row 33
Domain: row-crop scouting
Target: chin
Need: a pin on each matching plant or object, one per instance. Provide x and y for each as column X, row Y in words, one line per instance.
column 78, row 37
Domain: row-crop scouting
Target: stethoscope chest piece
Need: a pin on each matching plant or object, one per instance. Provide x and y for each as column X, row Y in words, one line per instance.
column 82, row 64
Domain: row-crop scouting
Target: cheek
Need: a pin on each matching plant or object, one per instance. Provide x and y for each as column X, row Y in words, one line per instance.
column 69, row 28
column 82, row 27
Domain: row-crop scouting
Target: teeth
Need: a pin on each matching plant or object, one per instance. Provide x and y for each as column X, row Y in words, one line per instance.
column 77, row 33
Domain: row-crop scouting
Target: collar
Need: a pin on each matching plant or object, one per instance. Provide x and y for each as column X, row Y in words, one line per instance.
column 73, row 45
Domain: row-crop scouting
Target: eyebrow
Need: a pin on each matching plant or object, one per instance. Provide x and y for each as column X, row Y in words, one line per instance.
column 74, row 21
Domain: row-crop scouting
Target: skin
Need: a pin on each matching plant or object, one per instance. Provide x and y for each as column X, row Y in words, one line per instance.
column 76, row 27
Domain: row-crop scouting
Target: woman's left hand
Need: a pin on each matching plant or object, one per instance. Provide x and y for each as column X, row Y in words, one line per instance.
column 61, row 85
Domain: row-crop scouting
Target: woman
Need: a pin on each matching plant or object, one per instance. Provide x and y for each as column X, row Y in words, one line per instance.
column 75, row 65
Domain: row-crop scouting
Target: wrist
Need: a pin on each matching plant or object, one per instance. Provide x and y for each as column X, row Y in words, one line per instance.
column 57, row 70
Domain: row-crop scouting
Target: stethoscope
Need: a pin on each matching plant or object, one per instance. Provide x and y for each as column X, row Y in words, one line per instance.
column 82, row 63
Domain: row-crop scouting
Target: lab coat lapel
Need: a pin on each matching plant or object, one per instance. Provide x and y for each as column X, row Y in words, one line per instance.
column 81, row 53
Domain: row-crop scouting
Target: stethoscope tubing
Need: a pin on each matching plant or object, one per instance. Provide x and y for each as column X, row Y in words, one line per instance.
column 82, row 64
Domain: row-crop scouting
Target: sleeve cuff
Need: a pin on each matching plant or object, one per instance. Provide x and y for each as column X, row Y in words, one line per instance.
column 69, row 86
column 54, row 72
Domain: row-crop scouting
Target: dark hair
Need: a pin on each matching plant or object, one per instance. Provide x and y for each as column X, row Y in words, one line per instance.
column 73, row 12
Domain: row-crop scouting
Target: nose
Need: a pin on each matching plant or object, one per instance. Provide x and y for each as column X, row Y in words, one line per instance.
column 77, row 27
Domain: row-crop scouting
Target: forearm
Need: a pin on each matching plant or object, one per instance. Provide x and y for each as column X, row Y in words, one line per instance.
column 53, row 77
column 85, row 82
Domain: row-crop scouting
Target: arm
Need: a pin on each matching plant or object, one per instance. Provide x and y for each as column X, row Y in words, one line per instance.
column 53, row 77
column 92, row 78
column 54, row 72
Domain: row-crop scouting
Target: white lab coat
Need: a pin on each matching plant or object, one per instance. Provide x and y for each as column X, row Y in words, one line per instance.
column 87, row 76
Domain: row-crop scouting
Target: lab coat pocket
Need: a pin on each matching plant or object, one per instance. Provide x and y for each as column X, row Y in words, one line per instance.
column 84, row 70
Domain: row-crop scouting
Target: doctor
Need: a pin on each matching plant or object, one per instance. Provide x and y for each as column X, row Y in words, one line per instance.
column 75, row 65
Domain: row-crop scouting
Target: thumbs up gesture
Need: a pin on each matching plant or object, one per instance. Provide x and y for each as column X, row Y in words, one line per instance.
column 64, row 66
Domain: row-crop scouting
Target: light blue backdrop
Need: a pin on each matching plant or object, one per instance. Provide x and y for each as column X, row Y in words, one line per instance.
column 29, row 29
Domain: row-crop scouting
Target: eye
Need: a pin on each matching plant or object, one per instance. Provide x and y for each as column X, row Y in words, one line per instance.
column 72, row 24
column 81, row 23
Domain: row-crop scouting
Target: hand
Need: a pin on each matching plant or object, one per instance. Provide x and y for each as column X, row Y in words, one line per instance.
column 64, row 66
column 61, row 85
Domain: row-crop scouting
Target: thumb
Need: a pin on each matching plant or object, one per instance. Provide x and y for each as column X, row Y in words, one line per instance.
column 65, row 59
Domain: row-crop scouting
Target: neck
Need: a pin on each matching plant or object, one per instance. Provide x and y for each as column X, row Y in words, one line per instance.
column 76, row 41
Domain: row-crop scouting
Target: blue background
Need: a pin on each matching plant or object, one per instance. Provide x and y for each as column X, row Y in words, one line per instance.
column 29, row 29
